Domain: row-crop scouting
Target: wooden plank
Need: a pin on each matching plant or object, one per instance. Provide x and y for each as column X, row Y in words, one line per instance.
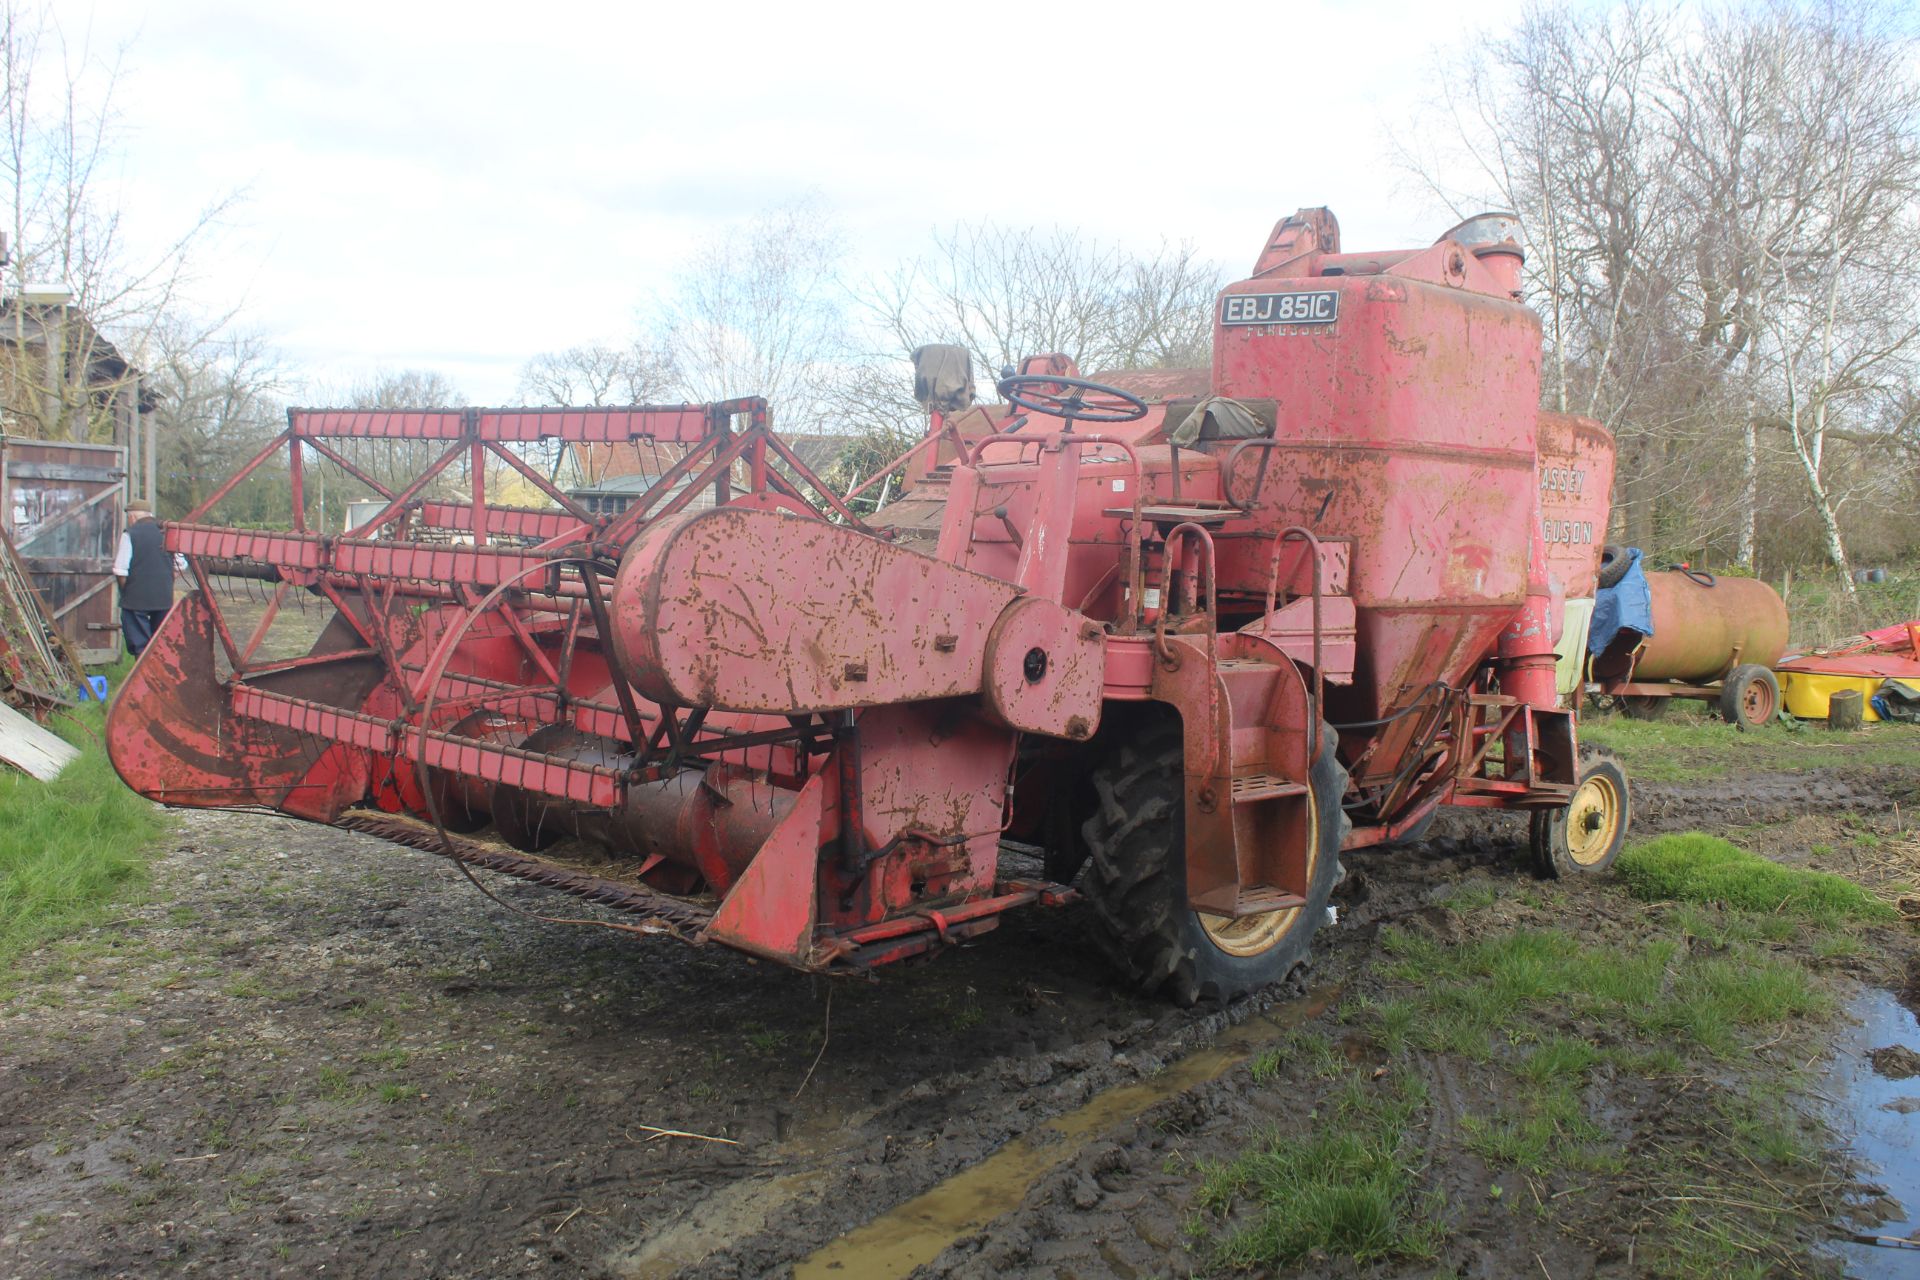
column 65, row 471
column 36, row 751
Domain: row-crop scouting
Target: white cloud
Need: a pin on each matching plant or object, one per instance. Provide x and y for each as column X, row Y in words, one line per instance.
column 463, row 186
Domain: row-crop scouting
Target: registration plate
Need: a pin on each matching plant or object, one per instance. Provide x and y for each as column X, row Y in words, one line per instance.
column 1319, row 307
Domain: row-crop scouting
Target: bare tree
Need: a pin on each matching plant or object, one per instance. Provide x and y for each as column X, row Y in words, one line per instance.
column 218, row 400
column 59, row 132
column 760, row 310
column 400, row 389
column 1558, row 122
column 1839, row 277
column 1008, row 292
column 1713, row 202
column 598, row 374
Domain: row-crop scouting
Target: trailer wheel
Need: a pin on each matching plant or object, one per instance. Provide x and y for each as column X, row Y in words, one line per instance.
column 1750, row 697
column 1136, row 882
column 1636, row 706
column 1587, row 835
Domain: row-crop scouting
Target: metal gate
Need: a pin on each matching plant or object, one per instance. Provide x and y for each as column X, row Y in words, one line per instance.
column 63, row 507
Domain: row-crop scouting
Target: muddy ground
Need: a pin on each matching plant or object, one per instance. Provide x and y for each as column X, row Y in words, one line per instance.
column 309, row 1053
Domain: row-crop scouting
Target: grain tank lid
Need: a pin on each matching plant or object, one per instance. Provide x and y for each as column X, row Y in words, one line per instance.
column 1494, row 239
column 1496, row 231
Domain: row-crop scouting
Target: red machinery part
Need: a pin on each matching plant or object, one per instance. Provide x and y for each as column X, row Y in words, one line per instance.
column 1322, row 576
column 1576, row 479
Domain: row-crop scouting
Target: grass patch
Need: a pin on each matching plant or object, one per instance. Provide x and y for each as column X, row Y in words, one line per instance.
column 1697, row 992
column 1477, row 993
column 1346, row 1188
column 1687, row 745
column 1314, row 1053
column 1691, row 867
column 69, row 847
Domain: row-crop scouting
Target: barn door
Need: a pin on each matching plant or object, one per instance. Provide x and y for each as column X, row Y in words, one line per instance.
column 63, row 504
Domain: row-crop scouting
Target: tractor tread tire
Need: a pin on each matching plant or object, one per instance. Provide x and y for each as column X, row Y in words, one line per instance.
column 1135, row 874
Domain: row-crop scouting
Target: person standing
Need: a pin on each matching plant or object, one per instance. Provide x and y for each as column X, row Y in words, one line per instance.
column 145, row 571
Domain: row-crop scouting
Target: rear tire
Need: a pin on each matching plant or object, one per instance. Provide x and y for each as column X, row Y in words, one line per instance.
column 1749, row 697
column 1136, row 876
column 1642, row 706
column 1585, row 837
column 1416, row 833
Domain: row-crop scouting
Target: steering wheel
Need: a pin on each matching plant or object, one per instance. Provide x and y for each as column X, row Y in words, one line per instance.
column 1081, row 401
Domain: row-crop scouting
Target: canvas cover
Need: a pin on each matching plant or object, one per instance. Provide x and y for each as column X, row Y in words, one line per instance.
column 942, row 377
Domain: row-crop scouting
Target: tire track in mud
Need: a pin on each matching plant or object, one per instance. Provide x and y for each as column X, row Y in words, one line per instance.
column 235, row 1037
column 1075, row 1217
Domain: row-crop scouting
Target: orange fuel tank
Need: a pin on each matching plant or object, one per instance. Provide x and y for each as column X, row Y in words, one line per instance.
column 1701, row 632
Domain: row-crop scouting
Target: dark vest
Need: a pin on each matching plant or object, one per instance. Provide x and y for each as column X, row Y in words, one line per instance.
column 150, row 572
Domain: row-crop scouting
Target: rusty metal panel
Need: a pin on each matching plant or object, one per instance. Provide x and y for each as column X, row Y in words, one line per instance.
column 1576, row 481
column 764, row 611
column 63, row 503
column 684, row 423
column 1407, row 424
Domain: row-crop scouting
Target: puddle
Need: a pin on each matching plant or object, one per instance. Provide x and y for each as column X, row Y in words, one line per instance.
column 915, row 1233
column 1879, row 1119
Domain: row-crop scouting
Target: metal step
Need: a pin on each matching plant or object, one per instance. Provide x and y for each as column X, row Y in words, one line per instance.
column 1254, row 900
column 1207, row 517
column 1254, row 787
column 1260, row 898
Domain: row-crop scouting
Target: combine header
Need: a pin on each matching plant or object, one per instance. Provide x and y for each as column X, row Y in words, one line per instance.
column 1193, row 632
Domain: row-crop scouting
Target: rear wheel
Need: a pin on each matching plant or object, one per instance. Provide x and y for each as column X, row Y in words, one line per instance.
column 1750, row 697
column 1587, row 835
column 1417, row 832
column 1136, row 877
column 1642, row 706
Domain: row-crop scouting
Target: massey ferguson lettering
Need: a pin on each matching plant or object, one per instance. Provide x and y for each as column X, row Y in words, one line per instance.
column 1569, row 531
column 1319, row 307
column 1562, row 480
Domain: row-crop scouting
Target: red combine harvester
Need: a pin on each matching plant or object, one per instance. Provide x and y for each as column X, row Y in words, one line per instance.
column 1194, row 634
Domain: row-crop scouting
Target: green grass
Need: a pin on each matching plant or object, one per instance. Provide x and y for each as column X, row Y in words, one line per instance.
column 1692, row 867
column 1686, row 746
column 1346, row 1188
column 1477, row 994
column 70, row 847
column 1315, row 1053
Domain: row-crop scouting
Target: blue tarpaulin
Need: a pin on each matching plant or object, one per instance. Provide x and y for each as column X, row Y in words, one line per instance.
column 1627, row 604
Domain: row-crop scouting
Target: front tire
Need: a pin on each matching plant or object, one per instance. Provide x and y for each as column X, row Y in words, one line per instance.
column 1136, row 876
column 1749, row 697
column 1585, row 837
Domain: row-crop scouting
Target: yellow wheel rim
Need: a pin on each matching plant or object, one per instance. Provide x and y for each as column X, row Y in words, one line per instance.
column 1254, row 935
column 1593, row 820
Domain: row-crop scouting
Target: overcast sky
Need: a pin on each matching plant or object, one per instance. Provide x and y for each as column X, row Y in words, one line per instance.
column 461, row 186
